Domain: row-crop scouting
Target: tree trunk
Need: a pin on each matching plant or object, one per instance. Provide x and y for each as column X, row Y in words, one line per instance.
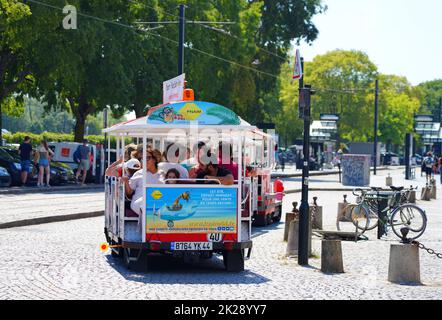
column 80, row 122
column 1, row 123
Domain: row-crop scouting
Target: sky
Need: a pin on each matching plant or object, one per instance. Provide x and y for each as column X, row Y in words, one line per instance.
column 402, row 37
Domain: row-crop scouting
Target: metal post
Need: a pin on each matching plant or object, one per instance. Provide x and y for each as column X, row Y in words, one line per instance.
column 181, row 39
column 304, row 214
column 105, row 125
column 408, row 153
column 375, row 148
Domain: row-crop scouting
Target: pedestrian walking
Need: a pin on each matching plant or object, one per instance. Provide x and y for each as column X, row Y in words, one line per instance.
column 44, row 157
column 427, row 165
column 85, row 162
column 25, row 151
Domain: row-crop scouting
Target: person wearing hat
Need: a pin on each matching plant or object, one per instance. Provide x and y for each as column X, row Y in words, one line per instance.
column 85, row 162
column 130, row 167
column 134, row 185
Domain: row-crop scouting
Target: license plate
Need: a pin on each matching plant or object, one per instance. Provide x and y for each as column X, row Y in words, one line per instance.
column 192, row 246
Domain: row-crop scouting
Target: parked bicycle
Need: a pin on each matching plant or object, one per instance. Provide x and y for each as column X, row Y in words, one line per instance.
column 397, row 214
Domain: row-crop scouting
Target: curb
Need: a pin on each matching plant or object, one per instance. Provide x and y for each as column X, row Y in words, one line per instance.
column 323, row 189
column 30, row 190
column 326, row 173
column 43, row 220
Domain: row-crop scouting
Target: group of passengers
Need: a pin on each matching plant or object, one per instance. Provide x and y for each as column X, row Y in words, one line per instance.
column 171, row 168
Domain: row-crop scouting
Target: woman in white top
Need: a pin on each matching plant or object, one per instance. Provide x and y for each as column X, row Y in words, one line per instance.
column 134, row 185
column 44, row 157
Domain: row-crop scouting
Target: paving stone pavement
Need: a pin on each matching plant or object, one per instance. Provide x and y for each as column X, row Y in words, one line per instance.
column 16, row 207
column 63, row 261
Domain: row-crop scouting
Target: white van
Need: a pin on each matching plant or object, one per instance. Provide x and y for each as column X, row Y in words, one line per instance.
column 64, row 152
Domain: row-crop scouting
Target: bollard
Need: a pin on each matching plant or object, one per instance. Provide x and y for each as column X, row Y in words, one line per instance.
column 389, row 181
column 290, row 216
column 316, row 214
column 341, row 216
column 425, row 195
column 331, row 256
column 412, row 196
column 404, row 264
column 433, row 192
column 293, row 237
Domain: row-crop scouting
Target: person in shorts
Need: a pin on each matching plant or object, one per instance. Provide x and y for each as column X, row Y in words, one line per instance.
column 25, row 151
column 427, row 164
column 85, row 162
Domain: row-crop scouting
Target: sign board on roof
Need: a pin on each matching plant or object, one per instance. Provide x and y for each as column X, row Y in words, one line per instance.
column 173, row 89
column 204, row 113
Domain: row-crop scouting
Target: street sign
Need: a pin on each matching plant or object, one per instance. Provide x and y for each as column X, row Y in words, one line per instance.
column 173, row 89
column 298, row 66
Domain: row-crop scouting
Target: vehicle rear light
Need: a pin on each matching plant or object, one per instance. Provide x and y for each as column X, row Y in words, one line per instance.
column 228, row 245
column 155, row 246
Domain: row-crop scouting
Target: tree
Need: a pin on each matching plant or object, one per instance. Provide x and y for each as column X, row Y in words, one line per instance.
column 14, row 53
column 398, row 102
column 344, row 83
column 431, row 97
column 89, row 67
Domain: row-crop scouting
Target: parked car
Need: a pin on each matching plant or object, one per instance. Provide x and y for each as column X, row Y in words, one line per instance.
column 389, row 158
column 5, row 178
column 12, row 166
column 59, row 172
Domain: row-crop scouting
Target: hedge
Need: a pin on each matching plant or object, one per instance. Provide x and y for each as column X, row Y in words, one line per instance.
column 18, row 137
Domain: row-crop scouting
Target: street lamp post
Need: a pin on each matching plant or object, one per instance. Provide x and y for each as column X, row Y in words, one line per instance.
column 304, row 215
column 375, row 147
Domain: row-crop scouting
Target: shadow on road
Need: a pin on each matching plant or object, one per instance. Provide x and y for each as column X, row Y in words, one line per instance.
column 164, row 269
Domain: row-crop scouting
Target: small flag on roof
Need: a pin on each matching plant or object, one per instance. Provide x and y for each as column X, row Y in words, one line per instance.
column 298, row 66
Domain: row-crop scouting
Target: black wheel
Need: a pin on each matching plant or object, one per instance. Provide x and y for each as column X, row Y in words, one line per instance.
column 411, row 217
column 234, row 260
column 278, row 213
column 260, row 221
column 135, row 259
column 170, row 224
column 269, row 218
column 360, row 217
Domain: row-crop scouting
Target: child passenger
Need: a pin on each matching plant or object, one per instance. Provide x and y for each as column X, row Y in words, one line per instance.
column 172, row 174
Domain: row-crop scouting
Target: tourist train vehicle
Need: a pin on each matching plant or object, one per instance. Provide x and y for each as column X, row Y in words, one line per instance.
column 192, row 218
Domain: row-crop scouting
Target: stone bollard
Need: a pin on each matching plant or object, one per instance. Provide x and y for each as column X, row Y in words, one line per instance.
column 389, row 181
column 404, row 264
column 331, row 256
column 433, row 192
column 290, row 216
column 316, row 214
column 425, row 194
column 412, row 196
column 341, row 215
column 293, row 237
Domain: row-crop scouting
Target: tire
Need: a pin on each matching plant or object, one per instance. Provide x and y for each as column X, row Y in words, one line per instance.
column 411, row 217
column 360, row 217
column 118, row 253
column 260, row 221
column 278, row 217
column 234, row 260
column 140, row 264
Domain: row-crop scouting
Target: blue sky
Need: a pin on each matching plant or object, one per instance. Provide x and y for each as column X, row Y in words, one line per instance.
column 402, row 37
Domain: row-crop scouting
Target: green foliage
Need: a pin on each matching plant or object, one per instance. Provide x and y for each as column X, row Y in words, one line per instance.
column 431, row 93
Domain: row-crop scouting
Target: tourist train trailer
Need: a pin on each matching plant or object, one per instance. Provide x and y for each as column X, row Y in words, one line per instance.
column 188, row 219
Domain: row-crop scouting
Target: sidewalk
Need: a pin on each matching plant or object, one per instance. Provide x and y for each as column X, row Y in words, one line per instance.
column 52, row 189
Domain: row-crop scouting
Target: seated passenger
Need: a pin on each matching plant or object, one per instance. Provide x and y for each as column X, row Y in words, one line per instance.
column 131, row 167
column 172, row 174
column 225, row 159
column 204, row 156
column 134, row 185
column 172, row 156
column 215, row 172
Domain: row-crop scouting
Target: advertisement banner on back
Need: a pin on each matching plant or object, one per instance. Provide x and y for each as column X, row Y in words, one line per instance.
column 297, row 74
column 191, row 210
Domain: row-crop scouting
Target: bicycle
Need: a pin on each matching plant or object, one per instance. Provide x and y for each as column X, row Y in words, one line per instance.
column 398, row 213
